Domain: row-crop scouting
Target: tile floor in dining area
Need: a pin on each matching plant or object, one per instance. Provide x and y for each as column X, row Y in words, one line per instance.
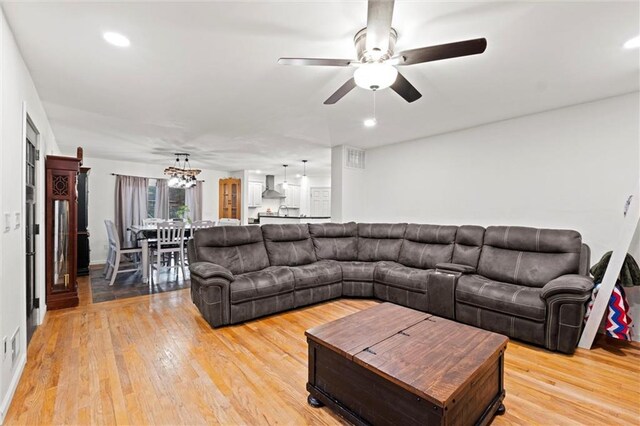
column 130, row 284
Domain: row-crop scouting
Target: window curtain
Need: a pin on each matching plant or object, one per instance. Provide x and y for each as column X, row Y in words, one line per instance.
column 193, row 200
column 131, row 204
column 162, row 199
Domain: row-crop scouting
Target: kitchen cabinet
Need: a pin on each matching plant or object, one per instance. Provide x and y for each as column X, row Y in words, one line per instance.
column 292, row 195
column 230, row 201
column 255, row 194
column 280, row 220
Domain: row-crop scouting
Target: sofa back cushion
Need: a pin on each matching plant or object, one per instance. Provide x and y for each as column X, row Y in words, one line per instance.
column 335, row 241
column 288, row 245
column 425, row 246
column 240, row 249
column 466, row 250
column 380, row 241
column 529, row 256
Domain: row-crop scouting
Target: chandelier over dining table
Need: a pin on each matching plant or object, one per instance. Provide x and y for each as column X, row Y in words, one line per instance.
column 181, row 175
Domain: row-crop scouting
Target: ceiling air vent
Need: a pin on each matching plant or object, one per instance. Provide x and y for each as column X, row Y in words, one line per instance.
column 354, row 158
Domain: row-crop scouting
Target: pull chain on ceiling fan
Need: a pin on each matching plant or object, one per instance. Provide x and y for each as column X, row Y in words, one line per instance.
column 377, row 61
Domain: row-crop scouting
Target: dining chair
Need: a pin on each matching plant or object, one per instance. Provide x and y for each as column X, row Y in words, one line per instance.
column 201, row 224
column 196, row 225
column 110, row 238
column 170, row 241
column 116, row 251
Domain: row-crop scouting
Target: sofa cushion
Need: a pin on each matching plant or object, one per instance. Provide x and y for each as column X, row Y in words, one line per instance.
column 468, row 245
column 335, row 241
column 529, row 256
column 380, row 241
column 317, row 274
column 358, row 271
column 288, row 245
column 400, row 276
column 425, row 246
column 271, row 281
column 240, row 249
column 511, row 299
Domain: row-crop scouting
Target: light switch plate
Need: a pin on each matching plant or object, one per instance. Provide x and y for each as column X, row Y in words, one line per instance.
column 17, row 215
column 7, row 222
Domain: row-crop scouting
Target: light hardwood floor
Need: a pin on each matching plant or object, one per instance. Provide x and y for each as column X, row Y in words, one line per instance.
column 154, row 360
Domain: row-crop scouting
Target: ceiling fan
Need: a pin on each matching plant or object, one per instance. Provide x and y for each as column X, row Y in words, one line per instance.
column 377, row 61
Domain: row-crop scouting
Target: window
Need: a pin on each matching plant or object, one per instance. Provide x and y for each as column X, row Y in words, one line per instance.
column 176, row 200
column 151, row 198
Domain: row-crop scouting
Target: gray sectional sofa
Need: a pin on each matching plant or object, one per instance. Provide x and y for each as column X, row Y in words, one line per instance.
column 529, row 284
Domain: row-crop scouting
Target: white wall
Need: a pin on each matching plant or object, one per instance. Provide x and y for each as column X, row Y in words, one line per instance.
column 568, row 168
column 102, row 195
column 18, row 94
column 347, row 185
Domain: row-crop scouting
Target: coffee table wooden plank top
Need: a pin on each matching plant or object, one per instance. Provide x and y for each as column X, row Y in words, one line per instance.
column 434, row 358
column 354, row 333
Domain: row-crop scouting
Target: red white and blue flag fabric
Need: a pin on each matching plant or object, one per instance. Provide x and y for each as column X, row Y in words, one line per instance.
column 618, row 323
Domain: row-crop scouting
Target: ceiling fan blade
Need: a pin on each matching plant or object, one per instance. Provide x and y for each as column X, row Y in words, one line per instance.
column 405, row 89
column 379, row 15
column 443, row 51
column 343, row 90
column 316, row 62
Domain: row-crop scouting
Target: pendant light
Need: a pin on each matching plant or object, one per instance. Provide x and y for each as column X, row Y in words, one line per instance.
column 304, row 168
column 181, row 176
column 285, row 185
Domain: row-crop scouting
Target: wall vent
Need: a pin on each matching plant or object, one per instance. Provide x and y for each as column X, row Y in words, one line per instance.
column 354, row 158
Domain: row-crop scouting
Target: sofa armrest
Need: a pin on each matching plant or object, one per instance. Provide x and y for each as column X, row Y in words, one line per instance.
column 206, row 271
column 567, row 284
column 455, row 268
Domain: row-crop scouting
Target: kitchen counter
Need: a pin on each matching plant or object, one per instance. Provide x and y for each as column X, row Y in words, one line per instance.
column 275, row 219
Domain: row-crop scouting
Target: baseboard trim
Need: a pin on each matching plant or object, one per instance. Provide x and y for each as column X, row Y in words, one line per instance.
column 6, row 402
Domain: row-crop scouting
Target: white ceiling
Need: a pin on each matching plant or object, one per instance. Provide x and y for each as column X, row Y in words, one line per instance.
column 203, row 78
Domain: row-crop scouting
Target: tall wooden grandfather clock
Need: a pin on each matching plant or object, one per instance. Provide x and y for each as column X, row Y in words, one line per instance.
column 61, row 219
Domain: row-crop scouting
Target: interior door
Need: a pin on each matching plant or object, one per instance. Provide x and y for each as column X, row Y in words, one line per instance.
column 321, row 202
column 30, row 228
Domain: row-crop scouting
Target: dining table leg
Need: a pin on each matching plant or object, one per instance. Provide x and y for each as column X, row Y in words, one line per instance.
column 145, row 261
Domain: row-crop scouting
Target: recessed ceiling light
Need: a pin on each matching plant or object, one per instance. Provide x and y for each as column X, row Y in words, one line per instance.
column 370, row 122
column 633, row 43
column 116, row 39
column 298, row 175
column 258, row 171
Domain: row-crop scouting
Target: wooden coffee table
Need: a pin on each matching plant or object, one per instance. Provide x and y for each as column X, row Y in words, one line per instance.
column 391, row 365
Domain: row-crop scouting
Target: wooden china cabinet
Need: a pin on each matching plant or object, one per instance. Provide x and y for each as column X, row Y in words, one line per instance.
column 61, row 221
column 230, row 198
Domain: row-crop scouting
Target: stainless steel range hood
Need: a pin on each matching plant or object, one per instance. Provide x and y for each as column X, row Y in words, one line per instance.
column 270, row 192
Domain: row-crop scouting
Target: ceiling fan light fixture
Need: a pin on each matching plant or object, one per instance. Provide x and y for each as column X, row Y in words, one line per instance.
column 370, row 122
column 375, row 76
column 116, row 39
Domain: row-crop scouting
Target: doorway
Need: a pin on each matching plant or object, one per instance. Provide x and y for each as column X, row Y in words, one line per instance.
column 320, row 202
column 30, row 227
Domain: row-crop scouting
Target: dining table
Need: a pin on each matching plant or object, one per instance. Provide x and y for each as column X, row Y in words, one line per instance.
column 143, row 234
